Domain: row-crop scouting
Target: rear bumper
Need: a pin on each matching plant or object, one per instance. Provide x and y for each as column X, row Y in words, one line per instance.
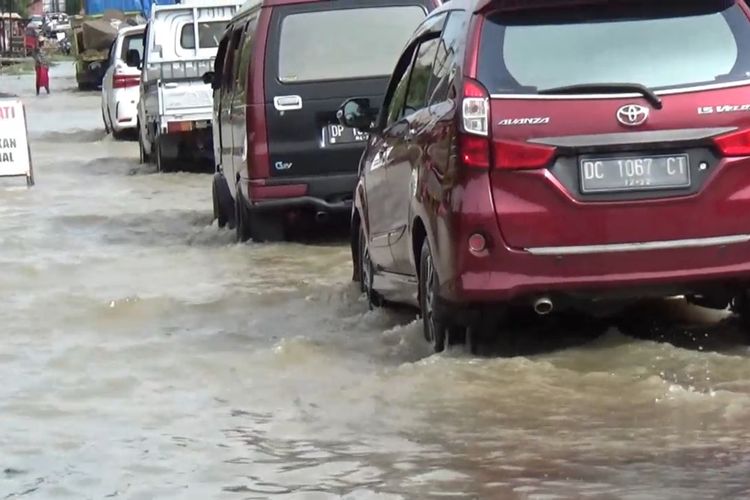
column 508, row 275
column 330, row 194
column 624, row 270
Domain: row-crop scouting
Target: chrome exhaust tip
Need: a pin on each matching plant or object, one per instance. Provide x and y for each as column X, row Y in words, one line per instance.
column 543, row 306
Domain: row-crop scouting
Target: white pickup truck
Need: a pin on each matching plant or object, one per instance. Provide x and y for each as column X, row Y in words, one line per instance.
column 175, row 107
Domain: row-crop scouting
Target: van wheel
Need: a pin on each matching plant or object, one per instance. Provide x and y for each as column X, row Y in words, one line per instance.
column 260, row 227
column 367, row 273
column 143, row 155
column 223, row 202
column 119, row 136
column 161, row 165
column 242, row 227
column 435, row 331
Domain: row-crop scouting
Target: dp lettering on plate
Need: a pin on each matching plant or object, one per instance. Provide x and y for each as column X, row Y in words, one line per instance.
column 338, row 134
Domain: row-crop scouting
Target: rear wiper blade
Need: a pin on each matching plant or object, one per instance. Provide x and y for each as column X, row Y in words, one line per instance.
column 607, row 88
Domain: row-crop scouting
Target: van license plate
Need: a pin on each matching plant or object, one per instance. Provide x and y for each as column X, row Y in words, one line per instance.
column 634, row 173
column 338, row 134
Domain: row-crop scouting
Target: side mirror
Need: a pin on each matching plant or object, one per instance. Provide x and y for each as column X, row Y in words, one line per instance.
column 133, row 58
column 356, row 113
column 210, row 78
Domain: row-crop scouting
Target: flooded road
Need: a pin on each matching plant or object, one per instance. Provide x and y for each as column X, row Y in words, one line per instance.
column 145, row 355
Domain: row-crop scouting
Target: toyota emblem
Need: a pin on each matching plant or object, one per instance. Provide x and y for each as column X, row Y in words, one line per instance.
column 632, row 115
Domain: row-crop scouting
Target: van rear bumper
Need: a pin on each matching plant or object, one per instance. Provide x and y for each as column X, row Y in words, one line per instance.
column 331, row 193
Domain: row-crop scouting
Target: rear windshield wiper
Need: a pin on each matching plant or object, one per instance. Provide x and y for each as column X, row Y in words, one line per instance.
column 607, row 88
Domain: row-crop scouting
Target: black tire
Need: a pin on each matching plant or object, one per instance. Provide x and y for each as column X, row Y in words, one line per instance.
column 106, row 125
column 242, row 226
column 144, row 156
column 224, row 211
column 161, row 164
column 435, row 331
column 122, row 135
column 261, row 227
column 366, row 273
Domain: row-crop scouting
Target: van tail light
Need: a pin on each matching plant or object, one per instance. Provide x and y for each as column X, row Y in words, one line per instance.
column 120, row 81
column 734, row 143
column 473, row 140
column 514, row 155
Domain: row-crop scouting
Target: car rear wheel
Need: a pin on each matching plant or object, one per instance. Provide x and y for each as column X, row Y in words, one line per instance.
column 106, row 125
column 367, row 272
column 143, row 155
column 119, row 135
column 435, row 330
column 161, row 164
column 223, row 202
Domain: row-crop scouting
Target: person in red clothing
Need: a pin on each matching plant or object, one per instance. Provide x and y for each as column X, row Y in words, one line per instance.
column 42, row 69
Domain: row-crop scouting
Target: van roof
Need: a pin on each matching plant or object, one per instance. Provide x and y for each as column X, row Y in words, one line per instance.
column 530, row 4
column 251, row 4
column 254, row 4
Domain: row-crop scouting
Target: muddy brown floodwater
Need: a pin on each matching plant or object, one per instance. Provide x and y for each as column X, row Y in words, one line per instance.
column 145, row 355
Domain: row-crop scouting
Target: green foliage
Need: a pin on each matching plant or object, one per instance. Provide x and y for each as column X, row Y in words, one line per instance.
column 17, row 6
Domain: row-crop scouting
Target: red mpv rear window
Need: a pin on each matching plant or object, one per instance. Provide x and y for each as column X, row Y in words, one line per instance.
column 662, row 45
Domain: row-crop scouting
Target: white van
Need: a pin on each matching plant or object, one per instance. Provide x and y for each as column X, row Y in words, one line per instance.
column 175, row 107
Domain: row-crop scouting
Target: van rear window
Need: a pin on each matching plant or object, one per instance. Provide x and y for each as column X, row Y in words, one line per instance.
column 346, row 43
column 209, row 35
column 662, row 45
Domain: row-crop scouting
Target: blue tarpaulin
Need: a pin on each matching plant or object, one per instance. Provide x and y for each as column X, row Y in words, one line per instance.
column 144, row 6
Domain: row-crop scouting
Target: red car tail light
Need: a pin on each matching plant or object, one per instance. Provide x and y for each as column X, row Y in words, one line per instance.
column 473, row 141
column 522, row 155
column 475, row 150
column 734, row 143
column 120, row 81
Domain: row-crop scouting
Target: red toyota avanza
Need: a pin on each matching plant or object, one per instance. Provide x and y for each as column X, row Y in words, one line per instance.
column 556, row 154
column 282, row 69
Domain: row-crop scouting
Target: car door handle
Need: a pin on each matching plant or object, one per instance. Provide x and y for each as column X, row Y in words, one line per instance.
column 287, row 102
column 170, row 85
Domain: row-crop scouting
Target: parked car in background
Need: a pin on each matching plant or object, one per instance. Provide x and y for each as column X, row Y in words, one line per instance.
column 530, row 155
column 121, row 82
column 174, row 110
column 281, row 72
